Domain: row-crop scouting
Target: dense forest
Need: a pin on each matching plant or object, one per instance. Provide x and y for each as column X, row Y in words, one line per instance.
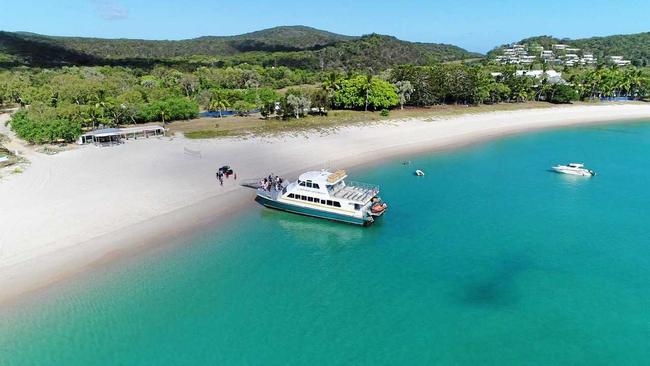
column 633, row 47
column 296, row 47
column 282, row 73
column 60, row 103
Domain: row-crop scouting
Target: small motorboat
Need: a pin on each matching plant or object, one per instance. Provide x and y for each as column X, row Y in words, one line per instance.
column 419, row 173
column 378, row 207
column 574, row 169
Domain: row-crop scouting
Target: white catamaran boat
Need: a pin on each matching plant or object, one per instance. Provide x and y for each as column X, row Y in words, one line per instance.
column 325, row 195
column 574, row 169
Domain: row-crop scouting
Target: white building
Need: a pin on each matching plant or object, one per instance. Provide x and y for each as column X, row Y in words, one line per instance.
column 619, row 61
column 111, row 136
column 560, row 54
column 527, row 59
column 588, row 59
column 551, row 76
column 538, row 73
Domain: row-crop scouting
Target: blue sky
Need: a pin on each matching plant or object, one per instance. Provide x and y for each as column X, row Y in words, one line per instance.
column 472, row 24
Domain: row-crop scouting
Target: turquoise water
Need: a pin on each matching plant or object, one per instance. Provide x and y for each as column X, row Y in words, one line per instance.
column 489, row 259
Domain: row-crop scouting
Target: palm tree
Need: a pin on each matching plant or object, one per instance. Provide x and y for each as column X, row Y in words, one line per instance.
column 631, row 82
column 331, row 85
column 366, row 86
column 217, row 103
column 593, row 79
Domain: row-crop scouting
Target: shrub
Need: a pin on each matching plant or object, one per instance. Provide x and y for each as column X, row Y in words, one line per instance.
column 353, row 91
column 563, row 94
column 242, row 107
column 42, row 129
column 384, row 112
column 170, row 109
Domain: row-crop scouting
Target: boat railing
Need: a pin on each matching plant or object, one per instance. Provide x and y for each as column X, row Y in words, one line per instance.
column 257, row 184
column 365, row 186
column 274, row 191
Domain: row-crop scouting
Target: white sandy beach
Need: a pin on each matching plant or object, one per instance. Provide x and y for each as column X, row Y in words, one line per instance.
column 68, row 211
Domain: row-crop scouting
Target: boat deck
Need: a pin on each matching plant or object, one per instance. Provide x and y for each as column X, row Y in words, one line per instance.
column 357, row 192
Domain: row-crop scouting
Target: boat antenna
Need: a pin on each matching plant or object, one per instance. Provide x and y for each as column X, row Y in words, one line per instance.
column 328, row 165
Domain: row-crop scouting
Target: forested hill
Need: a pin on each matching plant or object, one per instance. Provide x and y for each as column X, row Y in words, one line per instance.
column 296, row 38
column 293, row 46
column 633, row 47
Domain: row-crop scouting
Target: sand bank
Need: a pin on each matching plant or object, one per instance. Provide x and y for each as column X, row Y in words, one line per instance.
column 89, row 205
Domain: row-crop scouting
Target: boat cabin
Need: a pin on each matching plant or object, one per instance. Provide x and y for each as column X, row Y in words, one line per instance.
column 323, row 194
column 331, row 189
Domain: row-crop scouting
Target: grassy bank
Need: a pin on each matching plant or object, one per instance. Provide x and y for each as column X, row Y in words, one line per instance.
column 233, row 126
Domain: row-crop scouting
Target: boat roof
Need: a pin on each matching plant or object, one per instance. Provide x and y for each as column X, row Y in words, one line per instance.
column 324, row 176
column 576, row 165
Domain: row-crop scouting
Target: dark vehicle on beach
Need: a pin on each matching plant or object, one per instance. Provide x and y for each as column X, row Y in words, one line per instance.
column 226, row 170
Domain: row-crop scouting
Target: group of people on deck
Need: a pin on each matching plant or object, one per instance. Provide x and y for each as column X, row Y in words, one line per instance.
column 271, row 182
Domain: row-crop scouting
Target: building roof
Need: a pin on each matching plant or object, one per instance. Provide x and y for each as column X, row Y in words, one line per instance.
column 141, row 129
column 539, row 73
column 122, row 131
column 103, row 132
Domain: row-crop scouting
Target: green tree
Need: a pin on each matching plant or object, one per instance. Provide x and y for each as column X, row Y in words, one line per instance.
column 331, row 85
column 561, row 93
column 41, row 125
column 355, row 93
column 299, row 104
column 189, row 83
column 242, row 107
column 216, row 100
column 404, row 91
column 170, row 109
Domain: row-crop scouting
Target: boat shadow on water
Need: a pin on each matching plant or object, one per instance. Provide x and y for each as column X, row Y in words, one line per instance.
column 312, row 230
column 497, row 287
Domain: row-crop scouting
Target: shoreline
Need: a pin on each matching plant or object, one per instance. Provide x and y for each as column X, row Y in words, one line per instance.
column 52, row 197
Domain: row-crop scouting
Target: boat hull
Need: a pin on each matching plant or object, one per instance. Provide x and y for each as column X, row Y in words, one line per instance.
column 312, row 212
column 573, row 172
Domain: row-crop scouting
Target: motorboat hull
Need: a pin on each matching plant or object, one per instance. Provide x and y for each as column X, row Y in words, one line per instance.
column 306, row 211
column 579, row 172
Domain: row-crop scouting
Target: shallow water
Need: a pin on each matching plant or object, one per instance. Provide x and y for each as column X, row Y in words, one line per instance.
column 489, row 259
